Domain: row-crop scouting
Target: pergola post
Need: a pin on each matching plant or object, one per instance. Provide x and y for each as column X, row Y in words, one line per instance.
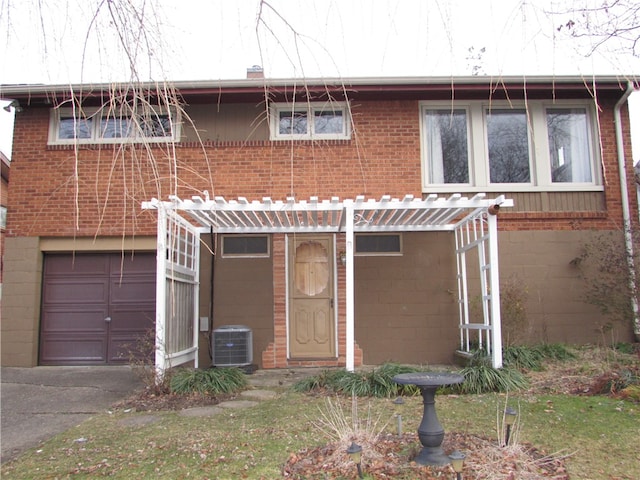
column 494, row 285
column 161, row 292
column 349, row 286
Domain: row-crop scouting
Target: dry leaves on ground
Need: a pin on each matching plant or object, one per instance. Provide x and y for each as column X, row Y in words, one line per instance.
column 390, row 457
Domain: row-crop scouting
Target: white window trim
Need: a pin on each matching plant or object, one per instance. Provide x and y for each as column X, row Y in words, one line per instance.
column 309, row 108
column 538, row 147
column 97, row 113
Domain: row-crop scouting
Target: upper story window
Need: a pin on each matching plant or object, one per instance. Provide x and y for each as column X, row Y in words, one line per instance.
column 476, row 145
column 315, row 120
column 107, row 126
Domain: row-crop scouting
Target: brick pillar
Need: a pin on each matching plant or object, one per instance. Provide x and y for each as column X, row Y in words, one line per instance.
column 275, row 355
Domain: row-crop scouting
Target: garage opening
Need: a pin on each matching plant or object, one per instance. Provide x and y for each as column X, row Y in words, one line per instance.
column 96, row 307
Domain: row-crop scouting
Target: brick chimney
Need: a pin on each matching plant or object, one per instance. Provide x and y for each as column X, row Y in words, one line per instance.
column 255, row 71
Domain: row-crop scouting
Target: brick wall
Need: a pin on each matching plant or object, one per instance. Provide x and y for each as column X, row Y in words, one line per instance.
column 56, row 191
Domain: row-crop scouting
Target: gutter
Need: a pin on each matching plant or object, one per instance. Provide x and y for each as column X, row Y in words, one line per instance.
column 373, row 84
column 626, row 211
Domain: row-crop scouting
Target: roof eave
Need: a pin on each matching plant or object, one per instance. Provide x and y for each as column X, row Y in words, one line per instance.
column 612, row 83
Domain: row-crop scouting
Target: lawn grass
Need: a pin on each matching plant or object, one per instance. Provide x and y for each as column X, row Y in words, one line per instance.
column 600, row 434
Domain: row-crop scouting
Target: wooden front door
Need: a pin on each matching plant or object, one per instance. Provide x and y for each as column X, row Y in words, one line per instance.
column 311, row 317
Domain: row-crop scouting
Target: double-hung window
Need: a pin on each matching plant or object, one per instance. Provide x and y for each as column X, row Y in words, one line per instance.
column 494, row 146
column 314, row 120
column 100, row 125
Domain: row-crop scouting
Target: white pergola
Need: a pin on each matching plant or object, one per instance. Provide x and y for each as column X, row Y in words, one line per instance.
column 180, row 222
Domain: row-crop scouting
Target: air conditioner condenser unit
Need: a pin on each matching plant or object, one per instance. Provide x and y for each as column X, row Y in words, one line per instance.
column 232, row 346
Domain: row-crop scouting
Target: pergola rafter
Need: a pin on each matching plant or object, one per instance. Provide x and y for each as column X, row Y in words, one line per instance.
column 455, row 213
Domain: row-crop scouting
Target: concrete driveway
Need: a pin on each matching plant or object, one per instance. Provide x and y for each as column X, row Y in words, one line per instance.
column 38, row 403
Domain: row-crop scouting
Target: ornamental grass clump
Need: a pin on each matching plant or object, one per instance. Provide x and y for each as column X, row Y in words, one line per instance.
column 375, row 383
column 210, row 381
column 525, row 357
column 480, row 377
column 522, row 357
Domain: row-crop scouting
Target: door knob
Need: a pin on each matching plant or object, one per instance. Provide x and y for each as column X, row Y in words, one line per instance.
column 107, row 319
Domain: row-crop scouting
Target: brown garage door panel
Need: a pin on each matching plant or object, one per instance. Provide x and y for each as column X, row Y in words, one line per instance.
column 135, row 290
column 60, row 319
column 78, row 349
column 74, row 291
column 80, row 264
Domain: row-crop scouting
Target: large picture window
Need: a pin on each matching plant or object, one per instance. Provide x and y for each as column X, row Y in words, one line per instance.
column 447, row 146
column 310, row 121
column 569, row 145
column 508, row 146
column 496, row 146
column 99, row 126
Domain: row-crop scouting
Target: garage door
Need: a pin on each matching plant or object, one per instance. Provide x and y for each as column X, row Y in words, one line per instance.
column 96, row 307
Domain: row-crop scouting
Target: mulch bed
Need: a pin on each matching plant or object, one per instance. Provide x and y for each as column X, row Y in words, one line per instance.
column 390, row 456
column 150, row 400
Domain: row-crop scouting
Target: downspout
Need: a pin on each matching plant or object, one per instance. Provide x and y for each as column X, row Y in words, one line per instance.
column 626, row 211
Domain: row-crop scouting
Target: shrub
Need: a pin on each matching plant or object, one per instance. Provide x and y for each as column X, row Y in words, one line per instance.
column 626, row 348
column 631, row 393
column 604, row 267
column 615, row 382
column 211, row 381
column 513, row 309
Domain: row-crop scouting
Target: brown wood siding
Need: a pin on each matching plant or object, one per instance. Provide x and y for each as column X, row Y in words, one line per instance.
column 541, row 261
column 225, row 123
column 404, row 307
column 243, row 295
column 557, row 201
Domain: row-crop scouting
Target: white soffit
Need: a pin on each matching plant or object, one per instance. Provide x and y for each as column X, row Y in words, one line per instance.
column 432, row 213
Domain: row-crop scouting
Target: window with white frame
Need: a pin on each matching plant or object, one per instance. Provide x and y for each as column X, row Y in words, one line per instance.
column 540, row 146
column 102, row 125
column 315, row 120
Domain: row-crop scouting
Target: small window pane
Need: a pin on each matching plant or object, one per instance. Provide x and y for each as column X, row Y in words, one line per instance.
column 245, row 245
column 569, row 145
column 3, row 217
column 68, row 125
column 447, row 146
column 378, row 244
column 508, row 139
column 115, row 127
column 292, row 123
column 328, row 121
column 156, row 126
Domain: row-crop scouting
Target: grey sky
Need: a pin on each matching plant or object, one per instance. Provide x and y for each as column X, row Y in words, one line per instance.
column 212, row 39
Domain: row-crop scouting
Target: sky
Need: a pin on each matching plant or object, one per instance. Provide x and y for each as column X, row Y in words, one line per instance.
column 62, row 41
